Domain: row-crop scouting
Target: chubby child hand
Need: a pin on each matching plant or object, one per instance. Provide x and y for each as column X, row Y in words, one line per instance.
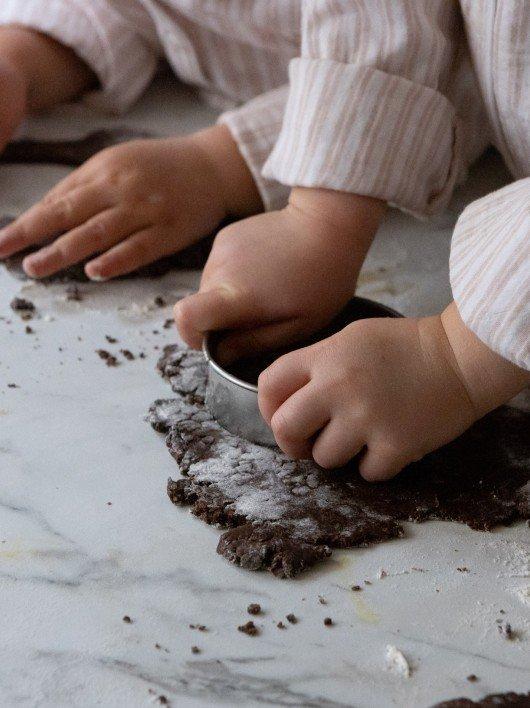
column 390, row 389
column 276, row 277
column 130, row 205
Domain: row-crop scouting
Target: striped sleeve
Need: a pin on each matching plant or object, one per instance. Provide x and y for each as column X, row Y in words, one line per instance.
column 123, row 60
column 490, row 270
column 255, row 127
column 367, row 110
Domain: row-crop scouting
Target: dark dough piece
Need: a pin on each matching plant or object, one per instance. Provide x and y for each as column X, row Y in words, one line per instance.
column 494, row 699
column 285, row 516
column 191, row 258
column 71, row 153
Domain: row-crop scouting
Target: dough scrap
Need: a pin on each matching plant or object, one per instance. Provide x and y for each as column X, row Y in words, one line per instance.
column 71, row 153
column 285, row 516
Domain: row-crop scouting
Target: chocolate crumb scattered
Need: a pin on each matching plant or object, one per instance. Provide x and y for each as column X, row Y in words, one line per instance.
column 163, row 700
column 159, row 301
column 195, row 650
column 168, row 323
column 12, row 385
column 142, row 355
column 328, row 621
column 291, row 618
column 503, row 612
column 367, row 582
column 463, row 569
column 254, row 608
column 472, row 678
column 127, row 619
column 200, row 627
column 107, row 357
column 281, row 625
column 29, row 330
column 127, row 354
column 506, row 631
column 110, row 340
column 73, row 293
column 322, row 600
column 155, row 331
column 20, row 304
column 356, row 588
column 249, row 628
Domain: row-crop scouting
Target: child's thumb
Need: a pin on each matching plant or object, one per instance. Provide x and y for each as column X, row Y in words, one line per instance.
column 220, row 308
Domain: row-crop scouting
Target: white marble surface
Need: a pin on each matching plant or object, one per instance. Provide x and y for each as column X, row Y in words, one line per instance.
column 73, row 439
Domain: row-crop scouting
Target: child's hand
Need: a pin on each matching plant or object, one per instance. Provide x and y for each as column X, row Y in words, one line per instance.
column 12, row 101
column 127, row 206
column 393, row 388
column 276, row 277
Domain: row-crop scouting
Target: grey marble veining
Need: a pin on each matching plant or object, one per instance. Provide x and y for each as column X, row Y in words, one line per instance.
column 87, row 534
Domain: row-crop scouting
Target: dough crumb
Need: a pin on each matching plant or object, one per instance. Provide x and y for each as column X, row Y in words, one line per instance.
column 249, row 628
column 396, row 661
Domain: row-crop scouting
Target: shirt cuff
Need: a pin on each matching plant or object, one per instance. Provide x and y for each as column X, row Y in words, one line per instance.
column 490, row 270
column 255, row 127
column 361, row 130
column 121, row 59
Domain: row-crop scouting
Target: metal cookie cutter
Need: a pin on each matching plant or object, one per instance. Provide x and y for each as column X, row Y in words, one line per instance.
column 232, row 393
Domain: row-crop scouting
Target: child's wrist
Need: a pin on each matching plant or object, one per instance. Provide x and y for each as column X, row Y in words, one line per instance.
column 490, row 380
column 346, row 221
column 231, row 178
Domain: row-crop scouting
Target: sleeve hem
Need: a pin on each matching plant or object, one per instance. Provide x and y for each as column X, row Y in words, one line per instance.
column 386, row 137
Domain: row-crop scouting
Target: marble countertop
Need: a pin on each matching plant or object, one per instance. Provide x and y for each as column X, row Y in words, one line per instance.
column 88, row 535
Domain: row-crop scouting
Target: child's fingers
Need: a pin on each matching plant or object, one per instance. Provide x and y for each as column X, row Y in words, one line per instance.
column 96, row 235
column 298, row 419
column 279, row 381
column 337, row 444
column 219, row 308
column 139, row 249
column 49, row 218
column 241, row 344
column 381, row 462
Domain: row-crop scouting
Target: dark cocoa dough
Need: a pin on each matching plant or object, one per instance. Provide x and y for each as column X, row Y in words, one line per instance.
column 493, row 699
column 192, row 258
column 285, row 516
column 71, row 153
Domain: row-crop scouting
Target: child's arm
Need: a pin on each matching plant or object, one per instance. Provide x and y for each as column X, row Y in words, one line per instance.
column 48, row 72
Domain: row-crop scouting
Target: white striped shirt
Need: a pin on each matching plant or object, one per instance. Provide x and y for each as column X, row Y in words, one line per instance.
column 387, row 99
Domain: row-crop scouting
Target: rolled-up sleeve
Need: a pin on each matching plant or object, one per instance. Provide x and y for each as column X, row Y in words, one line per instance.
column 255, row 127
column 123, row 59
column 366, row 111
column 490, row 270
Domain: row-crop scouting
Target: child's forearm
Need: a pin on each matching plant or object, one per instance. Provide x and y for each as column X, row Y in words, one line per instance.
column 489, row 379
column 51, row 73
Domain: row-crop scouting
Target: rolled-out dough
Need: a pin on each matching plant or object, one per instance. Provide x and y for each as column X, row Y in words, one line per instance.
column 71, row 153
column 285, row 516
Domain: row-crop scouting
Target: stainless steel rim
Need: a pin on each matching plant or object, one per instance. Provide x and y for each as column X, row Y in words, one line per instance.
column 251, row 387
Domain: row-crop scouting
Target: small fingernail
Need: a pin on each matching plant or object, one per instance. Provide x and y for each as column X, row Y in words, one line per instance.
column 96, row 278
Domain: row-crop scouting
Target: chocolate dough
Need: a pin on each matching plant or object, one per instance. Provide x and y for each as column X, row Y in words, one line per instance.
column 494, row 699
column 192, row 258
column 285, row 516
column 71, row 153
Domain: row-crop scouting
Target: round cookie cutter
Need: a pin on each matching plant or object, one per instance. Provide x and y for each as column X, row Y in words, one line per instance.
column 233, row 400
